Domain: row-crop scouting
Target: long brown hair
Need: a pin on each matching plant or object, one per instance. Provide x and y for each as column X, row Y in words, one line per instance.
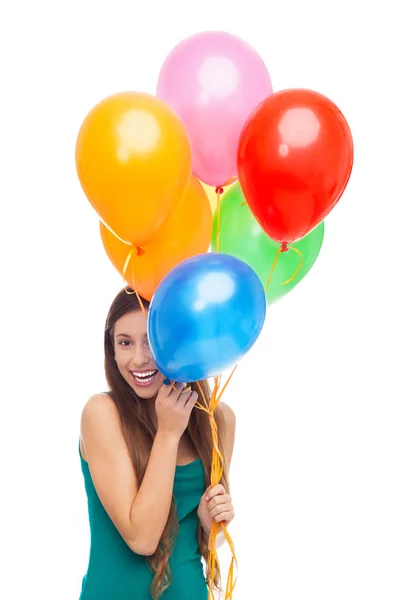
column 139, row 432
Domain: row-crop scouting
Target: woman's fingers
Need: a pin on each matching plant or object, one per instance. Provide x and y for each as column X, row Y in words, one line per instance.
column 218, row 500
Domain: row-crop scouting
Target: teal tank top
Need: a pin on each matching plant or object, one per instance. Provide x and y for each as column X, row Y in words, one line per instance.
column 115, row 572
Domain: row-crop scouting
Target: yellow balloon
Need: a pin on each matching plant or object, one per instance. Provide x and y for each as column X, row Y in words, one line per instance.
column 133, row 160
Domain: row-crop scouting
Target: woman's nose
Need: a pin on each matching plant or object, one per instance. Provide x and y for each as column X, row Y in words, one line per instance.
column 141, row 357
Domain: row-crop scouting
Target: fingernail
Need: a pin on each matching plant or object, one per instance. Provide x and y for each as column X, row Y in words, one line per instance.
column 207, row 498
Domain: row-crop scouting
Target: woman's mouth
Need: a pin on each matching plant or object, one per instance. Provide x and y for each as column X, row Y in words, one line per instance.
column 143, row 378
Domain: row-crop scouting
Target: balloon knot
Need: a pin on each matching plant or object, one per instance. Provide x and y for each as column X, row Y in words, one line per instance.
column 139, row 251
column 284, row 247
column 219, row 189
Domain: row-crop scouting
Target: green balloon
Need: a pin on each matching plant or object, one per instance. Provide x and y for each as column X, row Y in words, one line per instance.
column 242, row 237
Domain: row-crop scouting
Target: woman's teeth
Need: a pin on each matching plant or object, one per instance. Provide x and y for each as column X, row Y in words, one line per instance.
column 144, row 379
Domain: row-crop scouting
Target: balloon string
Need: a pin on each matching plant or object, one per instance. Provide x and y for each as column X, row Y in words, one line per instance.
column 273, row 268
column 299, row 265
column 284, row 248
column 220, row 190
column 139, row 252
column 217, row 466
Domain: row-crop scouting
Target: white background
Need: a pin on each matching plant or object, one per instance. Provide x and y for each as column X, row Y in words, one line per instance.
column 315, row 474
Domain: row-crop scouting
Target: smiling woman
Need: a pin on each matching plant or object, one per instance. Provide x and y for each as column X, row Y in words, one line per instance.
column 146, row 454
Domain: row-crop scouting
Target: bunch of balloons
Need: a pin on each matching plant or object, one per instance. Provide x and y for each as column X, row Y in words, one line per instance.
column 209, row 263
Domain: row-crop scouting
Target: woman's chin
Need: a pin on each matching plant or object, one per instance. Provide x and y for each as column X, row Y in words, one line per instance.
column 146, row 394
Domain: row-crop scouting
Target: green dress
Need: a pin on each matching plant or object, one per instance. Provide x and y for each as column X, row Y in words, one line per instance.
column 115, row 572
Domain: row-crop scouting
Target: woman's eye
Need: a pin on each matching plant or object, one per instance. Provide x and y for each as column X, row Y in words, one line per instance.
column 125, row 342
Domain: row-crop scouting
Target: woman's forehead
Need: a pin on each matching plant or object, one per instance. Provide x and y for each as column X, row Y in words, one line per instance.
column 133, row 323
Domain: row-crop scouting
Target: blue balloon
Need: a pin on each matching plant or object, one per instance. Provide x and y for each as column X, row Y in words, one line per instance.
column 204, row 316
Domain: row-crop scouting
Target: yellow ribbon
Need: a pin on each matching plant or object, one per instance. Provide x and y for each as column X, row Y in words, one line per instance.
column 273, row 268
column 139, row 252
column 298, row 267
column 217, row 466
column 284, row 248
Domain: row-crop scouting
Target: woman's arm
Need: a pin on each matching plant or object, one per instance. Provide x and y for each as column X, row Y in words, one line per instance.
column 150, row 509
column 230, row 432
column 140, row 515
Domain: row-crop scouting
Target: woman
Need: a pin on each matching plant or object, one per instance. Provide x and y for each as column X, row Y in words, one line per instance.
column 146, row 454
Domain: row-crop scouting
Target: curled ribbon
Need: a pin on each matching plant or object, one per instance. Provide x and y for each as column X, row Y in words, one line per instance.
column 217, row 466
column 284, row 248
column 139, row 252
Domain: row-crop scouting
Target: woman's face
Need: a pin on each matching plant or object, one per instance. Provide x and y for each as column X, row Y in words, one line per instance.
column 133, row 356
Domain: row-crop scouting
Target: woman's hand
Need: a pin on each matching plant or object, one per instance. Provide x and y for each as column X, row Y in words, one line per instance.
column 173, row 408
column 215, row 505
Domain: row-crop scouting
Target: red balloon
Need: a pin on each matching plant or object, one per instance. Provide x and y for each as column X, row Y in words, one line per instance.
column 294, row 161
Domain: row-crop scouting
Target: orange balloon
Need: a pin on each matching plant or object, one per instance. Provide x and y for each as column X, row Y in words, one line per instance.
column 212, row 195
column 186, row 233
column 133, row 161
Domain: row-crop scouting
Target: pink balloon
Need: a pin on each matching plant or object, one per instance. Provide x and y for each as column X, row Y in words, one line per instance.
column 213, row 81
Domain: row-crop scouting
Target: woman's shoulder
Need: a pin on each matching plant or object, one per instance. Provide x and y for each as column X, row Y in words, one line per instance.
column 99, row 420
column 100, row 399
column 228, row 413
column 99, row 405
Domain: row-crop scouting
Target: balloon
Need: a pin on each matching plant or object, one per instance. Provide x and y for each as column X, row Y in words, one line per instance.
column 294, row 161
column 187, row 232
column 241, row 236
column 205, row 315
column 213, row 80
column 133, row 161
column 212, row 195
